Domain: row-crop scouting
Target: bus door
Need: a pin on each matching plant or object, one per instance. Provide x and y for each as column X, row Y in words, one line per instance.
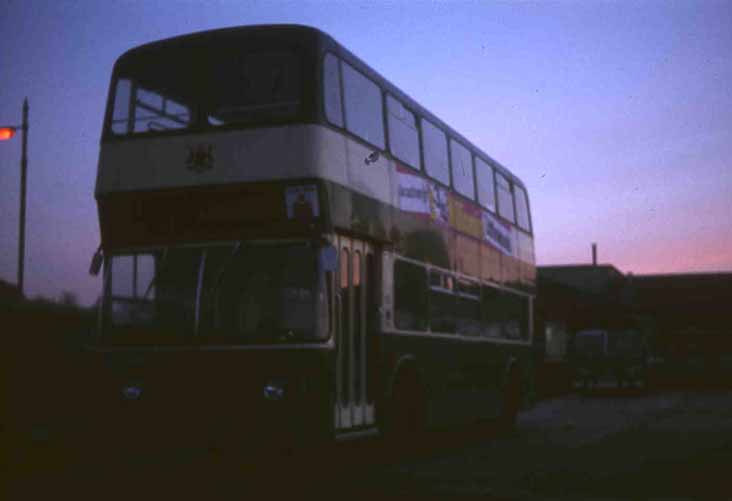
column 356, row 311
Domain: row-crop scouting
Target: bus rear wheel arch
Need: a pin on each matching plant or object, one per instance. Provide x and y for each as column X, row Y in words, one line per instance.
column 405, row 406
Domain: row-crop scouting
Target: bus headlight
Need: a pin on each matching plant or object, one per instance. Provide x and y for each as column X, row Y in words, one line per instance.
column 274, row 390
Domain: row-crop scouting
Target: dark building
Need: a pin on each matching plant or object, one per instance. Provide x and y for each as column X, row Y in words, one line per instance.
column 685, row 317
column 591, row 280
column 575, row 297
column 690, row 314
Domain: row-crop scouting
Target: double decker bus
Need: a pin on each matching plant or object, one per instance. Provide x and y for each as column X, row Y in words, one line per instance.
column 294, row 248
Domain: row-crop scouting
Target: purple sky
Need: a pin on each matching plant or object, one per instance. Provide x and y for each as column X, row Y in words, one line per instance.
column 617, row 115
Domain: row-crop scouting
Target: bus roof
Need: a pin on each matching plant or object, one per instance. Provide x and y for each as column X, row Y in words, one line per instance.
column 302, row 32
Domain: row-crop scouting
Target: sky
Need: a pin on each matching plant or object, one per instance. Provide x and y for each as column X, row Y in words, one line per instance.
column 616, row 115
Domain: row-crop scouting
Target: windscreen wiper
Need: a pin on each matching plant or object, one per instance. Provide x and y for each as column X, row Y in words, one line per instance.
column 233, row 254
column 154, row 280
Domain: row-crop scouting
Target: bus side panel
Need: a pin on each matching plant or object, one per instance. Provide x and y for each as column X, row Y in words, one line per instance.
column 384, row 200
column 235, row 157
column 462, row 379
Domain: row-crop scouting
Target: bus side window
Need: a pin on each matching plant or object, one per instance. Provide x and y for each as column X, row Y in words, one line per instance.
column 505, row 198
column 468, row 308
column 486, row 184
column 490, row 309
column 434, row 144
column 462, row 169
column 516, row 316
column 410, row 296
column 403, row 136
column 443, row 303
column 332, row 90
column 364, row 110
column 522, row 208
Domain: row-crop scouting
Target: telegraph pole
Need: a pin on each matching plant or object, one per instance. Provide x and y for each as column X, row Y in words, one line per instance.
column 7, row 132
column 23, row 189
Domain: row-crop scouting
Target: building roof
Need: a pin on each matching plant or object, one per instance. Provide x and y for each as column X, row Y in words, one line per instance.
column 593, row 279
column 682, row 291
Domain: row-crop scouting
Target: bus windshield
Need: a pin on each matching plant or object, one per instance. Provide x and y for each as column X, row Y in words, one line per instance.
column 190, row 87
column 228, row 294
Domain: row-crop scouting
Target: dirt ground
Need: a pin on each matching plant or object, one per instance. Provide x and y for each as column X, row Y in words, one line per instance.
column 676, row 445
column 607, row 445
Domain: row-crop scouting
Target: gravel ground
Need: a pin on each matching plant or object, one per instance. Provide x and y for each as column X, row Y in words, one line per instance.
column 606, row 446
column 600, row 447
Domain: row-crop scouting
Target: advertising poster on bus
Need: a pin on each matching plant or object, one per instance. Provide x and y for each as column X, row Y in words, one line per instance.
column 414, row 193
column 465, row 217
column 421, row 196
column 498, row 234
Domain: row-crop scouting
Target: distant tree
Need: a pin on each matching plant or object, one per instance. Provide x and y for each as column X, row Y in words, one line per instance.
column 69, row 298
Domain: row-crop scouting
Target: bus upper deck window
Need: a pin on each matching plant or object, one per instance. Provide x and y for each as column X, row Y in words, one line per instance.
column 138, row 109
column 434, row 144
column 505, row 198
column 522, row 208
column 332, row 90
column 486, row 184
column 364, row 114
column 462, row 169
column 403, row 136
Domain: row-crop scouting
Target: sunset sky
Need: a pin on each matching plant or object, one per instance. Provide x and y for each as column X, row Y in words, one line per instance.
column 616, row 115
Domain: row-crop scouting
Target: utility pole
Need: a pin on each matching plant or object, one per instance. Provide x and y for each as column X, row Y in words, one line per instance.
column 23, row 185
column 7, row 132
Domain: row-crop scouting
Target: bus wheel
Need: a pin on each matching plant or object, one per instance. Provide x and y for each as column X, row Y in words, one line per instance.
column 511, row 402
column 405, row 416
column 643, row 382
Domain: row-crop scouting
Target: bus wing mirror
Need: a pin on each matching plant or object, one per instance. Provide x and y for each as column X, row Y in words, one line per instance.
column 328, row 258
column 96, row 262
column 372, row 158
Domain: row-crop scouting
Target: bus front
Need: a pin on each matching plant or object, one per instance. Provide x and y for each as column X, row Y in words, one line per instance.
column 215, row 319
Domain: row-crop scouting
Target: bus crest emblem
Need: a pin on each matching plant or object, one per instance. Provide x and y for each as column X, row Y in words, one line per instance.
column 200, row 158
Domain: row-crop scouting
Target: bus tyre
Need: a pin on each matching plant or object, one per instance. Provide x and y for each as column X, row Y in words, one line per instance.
column 511, row 402
column 643, row 383
column 405, row 416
